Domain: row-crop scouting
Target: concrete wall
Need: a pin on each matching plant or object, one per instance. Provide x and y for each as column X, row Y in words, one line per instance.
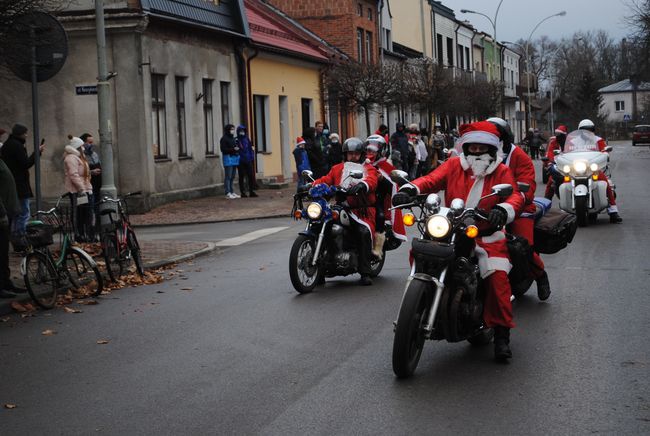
column 411, row 23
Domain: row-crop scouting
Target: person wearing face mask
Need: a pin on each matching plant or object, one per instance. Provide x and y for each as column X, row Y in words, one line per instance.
column 230, row 154
column 322, row 139
column 470, row 177
column 246, row 162
column 334, row 150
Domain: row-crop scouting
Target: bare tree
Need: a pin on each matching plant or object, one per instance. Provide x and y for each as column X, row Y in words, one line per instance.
column 425, row 85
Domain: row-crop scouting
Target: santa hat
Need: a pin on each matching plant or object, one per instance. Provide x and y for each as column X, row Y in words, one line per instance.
column 561, row 130
column 480, row 132
column 299, row 140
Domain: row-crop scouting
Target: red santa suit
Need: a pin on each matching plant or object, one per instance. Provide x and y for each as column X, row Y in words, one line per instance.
column 394, row 217
column 602, row 177
column 456, row 178
column 361, row 205
column 523, row 171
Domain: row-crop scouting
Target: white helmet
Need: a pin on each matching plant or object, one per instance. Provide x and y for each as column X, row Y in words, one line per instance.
column 375, row 143
column 586, row 124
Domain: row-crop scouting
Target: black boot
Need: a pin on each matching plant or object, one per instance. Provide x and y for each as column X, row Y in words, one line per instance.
column 615, row 218
column 365, row 280
column 502, row 343
column 543, row 287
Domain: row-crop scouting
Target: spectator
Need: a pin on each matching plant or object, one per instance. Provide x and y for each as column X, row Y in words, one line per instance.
column 14, row 153
column 334, row 150
column 314, row 152
column 77, row 183
column 399, row 142
column 94, row 162
column 230, row 155
column 9, row 207
column 537, row 140
column 422, row 154
column 302, row 160
column 438, row 145
column 246, row 162
column 383, row 131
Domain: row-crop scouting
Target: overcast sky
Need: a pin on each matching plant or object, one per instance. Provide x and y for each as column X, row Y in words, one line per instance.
column 518, row 17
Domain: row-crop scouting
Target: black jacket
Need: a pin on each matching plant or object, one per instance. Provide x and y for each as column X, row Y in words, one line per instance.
column 316, row 158
column 228, row 142
column 14, row 154
column 8, row 197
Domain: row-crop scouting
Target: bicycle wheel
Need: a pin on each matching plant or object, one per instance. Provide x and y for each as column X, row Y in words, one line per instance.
column 134, row 247
column 111, row 254
column 40, row 279
column 83, row 272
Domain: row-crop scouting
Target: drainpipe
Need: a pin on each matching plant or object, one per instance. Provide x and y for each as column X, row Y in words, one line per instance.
column 434, row 37
column 248, row 101
column 424, row 38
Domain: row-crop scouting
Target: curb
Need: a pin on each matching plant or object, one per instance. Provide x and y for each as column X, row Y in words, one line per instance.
column 215, row 221
column 5, row 305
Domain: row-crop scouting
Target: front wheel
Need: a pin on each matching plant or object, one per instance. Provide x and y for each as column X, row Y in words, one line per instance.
column 376, row 265
column 83, row 272
column 136, row 253
column 111, row 254
column 409, row 332
column 40, row 279
column 304, row 276
column 582, row 206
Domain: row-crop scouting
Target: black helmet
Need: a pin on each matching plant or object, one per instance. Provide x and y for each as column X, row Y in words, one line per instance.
column 355, row 144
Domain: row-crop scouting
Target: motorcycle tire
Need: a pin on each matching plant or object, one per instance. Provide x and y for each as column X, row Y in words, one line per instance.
column 409, row 333
column 582, row 208
column 483, row 337
column 304, row 276
column 377, row 265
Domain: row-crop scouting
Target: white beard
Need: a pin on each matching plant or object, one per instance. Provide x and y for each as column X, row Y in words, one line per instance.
column 479, row 164
column 347, row 182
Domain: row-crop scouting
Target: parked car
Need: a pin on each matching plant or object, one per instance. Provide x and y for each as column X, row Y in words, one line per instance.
column 641, row 134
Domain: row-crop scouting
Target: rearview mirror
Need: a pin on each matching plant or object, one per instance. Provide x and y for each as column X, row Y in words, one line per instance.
column 356, row 174
column 307, row 175
column 502, row 190
column 523, row 187
column 609, row 148
column 556, row 152
column 400, row 177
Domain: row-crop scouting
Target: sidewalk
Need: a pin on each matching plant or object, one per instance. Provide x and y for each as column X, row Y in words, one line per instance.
column 158, row 253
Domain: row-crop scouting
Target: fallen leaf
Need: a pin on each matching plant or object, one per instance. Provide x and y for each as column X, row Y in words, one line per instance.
column 87, row 302
column 71, row 310
column 186, row 289
column 18, row 307
column 102, row 341
column 160, row 292
column 48, row 332
column 10, row 406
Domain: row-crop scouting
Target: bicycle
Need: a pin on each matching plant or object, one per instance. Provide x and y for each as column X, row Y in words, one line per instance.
column 118, row 241
column 44, row 273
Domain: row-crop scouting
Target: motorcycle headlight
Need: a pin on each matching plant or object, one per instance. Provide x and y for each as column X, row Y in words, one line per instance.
column 314, row 211
column 593, row 167
column 566, row 169
column 438, row 226
column 580, row 167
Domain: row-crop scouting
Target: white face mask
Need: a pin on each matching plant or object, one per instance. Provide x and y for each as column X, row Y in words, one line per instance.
column 232, row 132
column 479, row 164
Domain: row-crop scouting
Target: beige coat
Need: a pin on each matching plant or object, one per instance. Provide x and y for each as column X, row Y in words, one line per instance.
column 77, row 172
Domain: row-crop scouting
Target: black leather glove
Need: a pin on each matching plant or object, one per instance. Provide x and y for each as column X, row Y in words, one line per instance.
column 359, row 188
column 404, row 196
column 497, row 217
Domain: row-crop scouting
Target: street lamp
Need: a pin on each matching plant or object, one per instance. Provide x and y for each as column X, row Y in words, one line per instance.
column 559, row 14
column 494, row 44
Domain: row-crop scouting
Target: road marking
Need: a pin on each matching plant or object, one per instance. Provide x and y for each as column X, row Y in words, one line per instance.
column 248, row 237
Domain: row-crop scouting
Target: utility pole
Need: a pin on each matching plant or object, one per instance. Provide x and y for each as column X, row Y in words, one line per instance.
column 104, row 106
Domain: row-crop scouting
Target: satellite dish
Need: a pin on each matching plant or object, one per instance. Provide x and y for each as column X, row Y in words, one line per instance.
column 39, row 31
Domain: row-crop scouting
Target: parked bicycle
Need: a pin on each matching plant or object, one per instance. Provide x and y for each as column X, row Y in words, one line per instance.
column 46, row 274
column 119, row 243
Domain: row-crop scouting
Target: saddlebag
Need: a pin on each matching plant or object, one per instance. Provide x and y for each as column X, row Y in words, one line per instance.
column 521, row 258
column 554, row 231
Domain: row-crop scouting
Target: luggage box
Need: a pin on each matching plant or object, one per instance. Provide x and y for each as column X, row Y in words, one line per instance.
column 554, row 231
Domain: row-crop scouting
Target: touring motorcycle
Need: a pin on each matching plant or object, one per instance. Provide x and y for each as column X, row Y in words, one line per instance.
column 327, row 248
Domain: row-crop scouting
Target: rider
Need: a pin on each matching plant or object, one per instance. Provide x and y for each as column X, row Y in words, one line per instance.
column 361, row 212
column 469, row 177
column 375, row 149
column 523, row 171
column 612, row 210
column 555, row 143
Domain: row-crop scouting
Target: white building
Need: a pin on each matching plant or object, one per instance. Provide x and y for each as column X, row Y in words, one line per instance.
column 511, row 102
column 618, row 97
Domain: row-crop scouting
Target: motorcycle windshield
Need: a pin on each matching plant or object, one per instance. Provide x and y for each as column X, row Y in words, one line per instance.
column 580, row 140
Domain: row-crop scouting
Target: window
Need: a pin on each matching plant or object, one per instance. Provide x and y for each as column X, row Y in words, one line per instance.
column 439, row 48
column 180, row 116
column 360, row 45
column 305, row 104
column 158, row 116
column 208, row 117
column 359, row 10
column 368, row 47
column 467, row 61
column 512, row 79
column 388, row 43
column 369, row 14
column 620, row 105
column 460, row 56
column 225, row 103
column 450, row 52
column 260, row 112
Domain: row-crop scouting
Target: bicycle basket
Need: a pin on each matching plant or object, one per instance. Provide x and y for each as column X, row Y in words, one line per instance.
column 39, row 234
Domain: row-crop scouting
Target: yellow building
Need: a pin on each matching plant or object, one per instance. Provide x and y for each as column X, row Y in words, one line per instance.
column 411, row 25
column 284, row 68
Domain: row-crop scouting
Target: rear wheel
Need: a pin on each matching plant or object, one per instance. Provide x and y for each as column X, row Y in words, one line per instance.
column 582, row 207
column 83, row 272
column 304, row 276
column 376, row 265
column 111, row 254
column 136, row 253
column 40, row 280
column 409, row 332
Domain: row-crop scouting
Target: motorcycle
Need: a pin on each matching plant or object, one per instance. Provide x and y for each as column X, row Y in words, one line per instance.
column 579, row 165
column 326, row 248
column 444, row 293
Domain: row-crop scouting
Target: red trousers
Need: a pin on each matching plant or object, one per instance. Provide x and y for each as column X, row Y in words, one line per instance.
column 525, row 227
column 494, row 263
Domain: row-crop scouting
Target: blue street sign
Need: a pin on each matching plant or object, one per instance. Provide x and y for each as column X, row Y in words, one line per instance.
column 627, row 117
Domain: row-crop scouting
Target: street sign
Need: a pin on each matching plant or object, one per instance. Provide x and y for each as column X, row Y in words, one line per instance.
column 627, row 118
column 86, row 89
column 520, row 115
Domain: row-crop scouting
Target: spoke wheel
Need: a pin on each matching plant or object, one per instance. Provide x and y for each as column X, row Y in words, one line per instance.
column 409, row 331
column 304, row 276
column 41, row 280
column 83, row 273
column 111, row 254
column 136, row 253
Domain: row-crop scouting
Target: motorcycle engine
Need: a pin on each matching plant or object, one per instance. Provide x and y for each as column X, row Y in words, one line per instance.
column 346, row 262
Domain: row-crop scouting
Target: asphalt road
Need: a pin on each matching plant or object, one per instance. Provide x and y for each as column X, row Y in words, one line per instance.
column 242, row 353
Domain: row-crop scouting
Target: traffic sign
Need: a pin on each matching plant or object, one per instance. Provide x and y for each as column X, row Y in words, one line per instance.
column 627, row 118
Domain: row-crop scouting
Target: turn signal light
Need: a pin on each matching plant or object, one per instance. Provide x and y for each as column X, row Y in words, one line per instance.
column 297, row 214
column 471, row 231
column 594, row 177
column 408, row 219
column 567, row 179
column 335, row 215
